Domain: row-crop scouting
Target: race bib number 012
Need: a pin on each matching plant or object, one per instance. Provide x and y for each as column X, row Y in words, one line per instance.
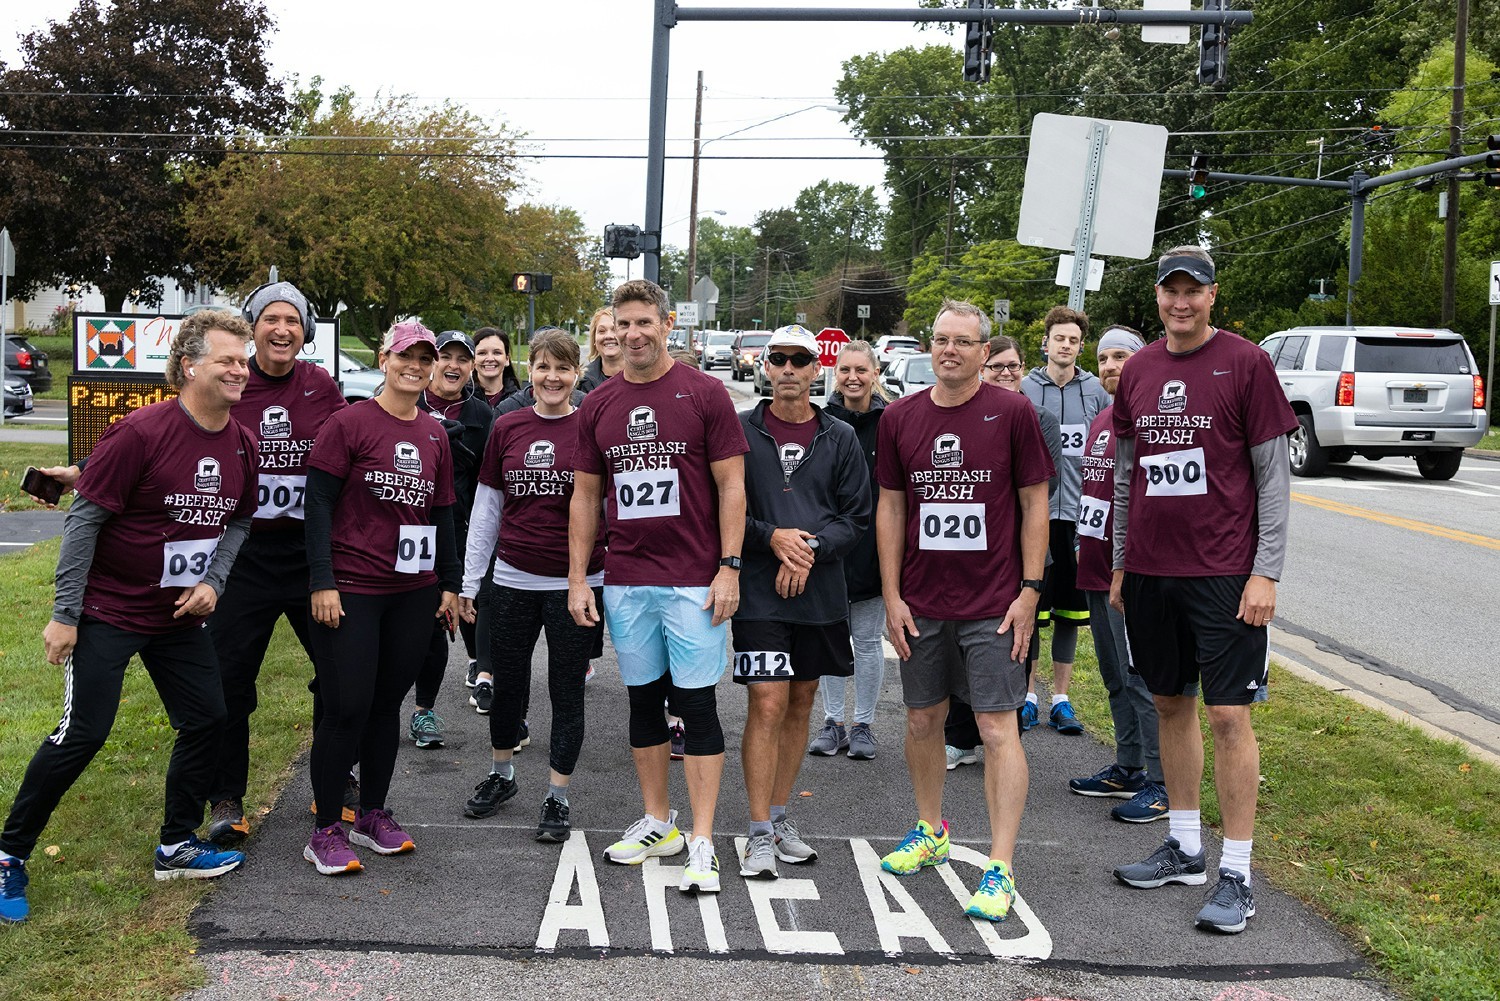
column 1072, row 438
column 184, row 564
column 647, row 493
column 1175, row 474
column 416, row 548
column 762, row 664
column 1093, row 514
column 280, row 496
column 952, row 527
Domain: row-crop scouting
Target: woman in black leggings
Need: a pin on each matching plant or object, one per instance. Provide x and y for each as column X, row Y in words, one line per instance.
column 382, row 564
column 521, row 519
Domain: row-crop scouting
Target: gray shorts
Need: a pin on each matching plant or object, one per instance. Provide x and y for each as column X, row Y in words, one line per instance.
column 966, row 659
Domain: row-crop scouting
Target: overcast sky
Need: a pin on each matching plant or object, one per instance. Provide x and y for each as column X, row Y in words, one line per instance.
column 565, row 72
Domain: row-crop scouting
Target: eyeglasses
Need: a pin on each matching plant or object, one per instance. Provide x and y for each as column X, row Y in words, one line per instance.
column 962, row 343
column 1003, row 366
column 801, row 360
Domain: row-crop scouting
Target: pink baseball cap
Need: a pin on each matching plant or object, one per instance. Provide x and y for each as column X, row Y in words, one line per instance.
column 406, row 333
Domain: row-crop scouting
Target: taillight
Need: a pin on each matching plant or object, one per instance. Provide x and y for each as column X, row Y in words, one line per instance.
column 1345, row 395
column 1479, row 392
column 23, row 359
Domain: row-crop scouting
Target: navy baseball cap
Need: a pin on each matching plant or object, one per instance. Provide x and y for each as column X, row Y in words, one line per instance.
column 448, row 337
column 1195, row 268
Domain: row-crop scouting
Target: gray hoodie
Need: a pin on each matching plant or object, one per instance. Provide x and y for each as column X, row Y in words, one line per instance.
column 1075, row 406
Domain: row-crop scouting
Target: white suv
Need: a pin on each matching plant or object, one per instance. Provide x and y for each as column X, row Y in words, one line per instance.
column 1379, row 391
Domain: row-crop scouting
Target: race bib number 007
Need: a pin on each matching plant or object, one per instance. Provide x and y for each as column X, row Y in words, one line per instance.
column 416, row 548
column 1093, row 515
column 952, row 527
column 762, row 664
column 1175, row 474
column 647, row 493
column 184, row 564
column 280, row 496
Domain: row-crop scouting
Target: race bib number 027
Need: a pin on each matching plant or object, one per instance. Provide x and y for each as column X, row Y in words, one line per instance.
column 1093, row 514
column 1175, row 474
column 416, row 548
column 184, row 564
column 952, row 527
column 647, row 493
column 762, row 664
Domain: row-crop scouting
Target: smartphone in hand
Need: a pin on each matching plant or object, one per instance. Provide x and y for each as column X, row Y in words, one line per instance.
column 41, row 486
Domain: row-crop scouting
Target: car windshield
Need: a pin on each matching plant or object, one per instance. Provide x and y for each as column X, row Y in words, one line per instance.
column 721, row 338
column 1410, row 354
column 754, row 340
column 902, row 344
column 918, row 372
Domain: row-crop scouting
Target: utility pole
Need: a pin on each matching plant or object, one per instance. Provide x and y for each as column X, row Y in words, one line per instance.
column 693, row 203
column 1455, row 150
column 844, row 275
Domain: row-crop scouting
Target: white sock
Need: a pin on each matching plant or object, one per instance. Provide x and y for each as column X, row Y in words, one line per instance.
column 1187, row 827
column 1031, row 697
column 1236, row 857
column 8, row 857
column 1058, row 699
column 658, row 825
column 505, row 771
column 168, row 850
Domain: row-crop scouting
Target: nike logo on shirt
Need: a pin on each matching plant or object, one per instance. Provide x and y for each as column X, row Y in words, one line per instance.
column 309, row 392
column 683, row 396
column 1225, row 372
column 991, row 417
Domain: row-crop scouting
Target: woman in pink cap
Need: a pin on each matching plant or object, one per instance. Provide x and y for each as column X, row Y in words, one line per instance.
column 382, row 564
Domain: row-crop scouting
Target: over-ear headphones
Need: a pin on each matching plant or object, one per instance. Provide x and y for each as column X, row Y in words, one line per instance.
column 309, row 315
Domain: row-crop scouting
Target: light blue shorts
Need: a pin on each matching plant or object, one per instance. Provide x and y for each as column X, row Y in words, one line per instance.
column 657, row 629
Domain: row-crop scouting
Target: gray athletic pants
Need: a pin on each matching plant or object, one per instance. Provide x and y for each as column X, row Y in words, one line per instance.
column 1136, row 742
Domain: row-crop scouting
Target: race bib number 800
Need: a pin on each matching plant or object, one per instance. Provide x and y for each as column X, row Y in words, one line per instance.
column 1175, row 474
column 762, row 664
column 952, row 527
column 647, row 493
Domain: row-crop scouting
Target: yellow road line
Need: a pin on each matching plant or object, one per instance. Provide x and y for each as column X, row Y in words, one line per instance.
column 1389, row 519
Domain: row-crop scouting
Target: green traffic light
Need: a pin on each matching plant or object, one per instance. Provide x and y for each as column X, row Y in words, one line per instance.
column 1198, row 190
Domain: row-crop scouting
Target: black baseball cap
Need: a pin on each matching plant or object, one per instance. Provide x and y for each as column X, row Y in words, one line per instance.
column 448, row 337
column 1195, row 268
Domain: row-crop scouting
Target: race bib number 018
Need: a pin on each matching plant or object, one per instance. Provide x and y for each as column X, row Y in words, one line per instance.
column 952, row 526
column 1175, row 474
column 1072, row 438
column 280, row 496
column 762, row 664
column 1093, row 514
column 416, row 548
column 184, row 564
column 647, row 493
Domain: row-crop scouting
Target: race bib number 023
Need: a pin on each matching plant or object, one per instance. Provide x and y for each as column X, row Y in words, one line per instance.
column 1093, row 514
column 1072, row 438
column 762, row 664
column 952, row 527
column 184, row 564
column 280, row 496
column 416, row 548
column 1175, row 474
column 647, row 493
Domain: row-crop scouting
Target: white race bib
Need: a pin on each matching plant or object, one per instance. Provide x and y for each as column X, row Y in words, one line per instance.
column 416, row 548
column 1072, row 438
column 1093, row 514
column 1175, row 474
column 952, row 526
column 183, row 564
column 280, row 496
column 762, row 664
column 647, row 493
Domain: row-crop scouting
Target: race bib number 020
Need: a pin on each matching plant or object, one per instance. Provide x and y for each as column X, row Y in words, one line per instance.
column 762, row 664
column 280, row 496
column 1175, row 474
column 1072, row 438
column 647, row 493
column 952, row 527
column 1093, row 514
column 416, row 548
column 184, row 564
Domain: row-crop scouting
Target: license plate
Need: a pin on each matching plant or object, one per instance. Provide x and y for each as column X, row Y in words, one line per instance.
column 1419, row 436
column 1414, row 396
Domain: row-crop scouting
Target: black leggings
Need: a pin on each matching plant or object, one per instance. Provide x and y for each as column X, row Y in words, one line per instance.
column 365, row 668
column 517, row 618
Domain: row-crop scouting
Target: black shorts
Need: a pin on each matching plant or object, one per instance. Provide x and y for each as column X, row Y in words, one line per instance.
column 1061, row 598
column 1183, row 629
column 790, row 651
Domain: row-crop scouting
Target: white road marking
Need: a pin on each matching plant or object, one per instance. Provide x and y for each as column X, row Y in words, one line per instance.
column 1035, row 944
column 574, row 865
column 893, row 925
column 658, row 879
column 777, row 938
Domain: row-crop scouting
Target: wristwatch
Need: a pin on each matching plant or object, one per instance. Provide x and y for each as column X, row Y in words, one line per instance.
column 1035, row 585
column 732, row 562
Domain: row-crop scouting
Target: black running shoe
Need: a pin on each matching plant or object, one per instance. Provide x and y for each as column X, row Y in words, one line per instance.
column 483, row 698
column 554, row 827
column 488, row 795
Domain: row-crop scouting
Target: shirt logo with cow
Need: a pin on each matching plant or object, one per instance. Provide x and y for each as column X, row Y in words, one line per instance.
column 641, row 425
column 947, row 451
column 275, row 422
column 408, row 459
column 792, row 455
column 1101, row 444
column 1173, row 399
column 541, row 455
column 208, row 478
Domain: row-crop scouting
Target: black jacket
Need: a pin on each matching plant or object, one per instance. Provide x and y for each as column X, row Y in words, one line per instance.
column 862, row 564
column 828, row 494
column 593, row 376
column 466, row 438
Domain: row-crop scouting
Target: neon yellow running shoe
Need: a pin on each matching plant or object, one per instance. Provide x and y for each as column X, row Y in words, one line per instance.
column 997, row 891
column 922, row 846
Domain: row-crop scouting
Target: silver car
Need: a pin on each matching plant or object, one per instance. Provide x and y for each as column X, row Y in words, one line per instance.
column 718, row 348
column 909, row 374
column 359, row 381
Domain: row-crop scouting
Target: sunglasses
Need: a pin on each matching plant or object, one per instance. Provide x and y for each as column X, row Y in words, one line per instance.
column 778, row 359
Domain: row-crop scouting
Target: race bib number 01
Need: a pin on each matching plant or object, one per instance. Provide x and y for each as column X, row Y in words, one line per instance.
column 1072, row 438
column 762, row 664
column 280, row 496
column 647, row 493
column 1175, row 474
column 1093, row 514
column 416, row 548
column 184, row 564
column 952, row 526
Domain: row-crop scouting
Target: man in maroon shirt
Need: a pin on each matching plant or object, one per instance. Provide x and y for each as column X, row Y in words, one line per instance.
column 961, row 527
column 1201, row 502
column 161, row 511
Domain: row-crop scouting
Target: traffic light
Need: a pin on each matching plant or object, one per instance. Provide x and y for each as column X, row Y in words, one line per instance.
column 541, row 283
column 1213, row 46
column 529, row 283
column 622, row 241
column 1198, row 175
column 520, row 283
column 977, row 43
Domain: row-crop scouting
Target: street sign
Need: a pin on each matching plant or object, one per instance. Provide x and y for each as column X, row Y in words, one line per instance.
column 1495, row 283
column 862, row 311
column 687, row 314
column 1065, row 272
column 1002, row 311
column 831, row 341
column 801, row 318
column 1177, row 34
column 7, row 255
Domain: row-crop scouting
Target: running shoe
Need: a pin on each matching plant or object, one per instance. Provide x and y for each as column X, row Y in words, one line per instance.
column 1112, row 782
column 329, row 852
column 525, row 737
column 642, row 840
column 196, row 859
column 789, row 844
column 997, row 891
column 830, row 740
column 1064, row 720
column 589, row 674
column 378, row 831
column 701, row 874
column 958, row 756
column 1168, row 864
column 679, row 742
column 488, row 795
column 483, row 698
column 861, row 742
column 471, row 676
column 554, row 827
column 1145, row 806
column 350, row 809
column 921, row 847
column 759, row 861
column 427, row 728
column 1028, row 716
column 13, row 880
column 1229, row 907
column 227, row 825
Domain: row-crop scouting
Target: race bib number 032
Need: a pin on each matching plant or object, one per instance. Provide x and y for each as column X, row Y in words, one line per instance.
column 952, row 527
column 416, row 548
column 647, row 493
column 280, row 496
column 1175, row 474
column 184, row 564
column 1093, row 514
column 762, row 664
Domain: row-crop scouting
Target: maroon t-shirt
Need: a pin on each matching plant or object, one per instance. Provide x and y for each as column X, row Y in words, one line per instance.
column 653, row 442
column 172, row 487
column 1194, row 418
column 792, row 440
column 395, row 472
column 1096, row 519
column 530, row 458
column 286, row 414
column 960, row 468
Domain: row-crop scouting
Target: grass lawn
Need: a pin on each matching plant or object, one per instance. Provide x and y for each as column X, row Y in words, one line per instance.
column 102, row 927
column 15, row 456
column 1491, row 440
column 1390, row 834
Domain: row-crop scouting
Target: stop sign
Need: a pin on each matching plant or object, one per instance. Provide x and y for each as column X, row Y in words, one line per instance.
column 831, row 341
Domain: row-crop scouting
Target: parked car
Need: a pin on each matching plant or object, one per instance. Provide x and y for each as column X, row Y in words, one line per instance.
column 25, row 360
column 359, row 380
column 717, row 348
column 1379, row 391
column 18, row 399
column 909, row 373
column 891, row 346
column 744, row 356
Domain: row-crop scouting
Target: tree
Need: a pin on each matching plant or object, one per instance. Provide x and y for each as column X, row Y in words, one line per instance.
column 727, row 255
column 90, row 185
column 997, row 269
column 841, row 222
